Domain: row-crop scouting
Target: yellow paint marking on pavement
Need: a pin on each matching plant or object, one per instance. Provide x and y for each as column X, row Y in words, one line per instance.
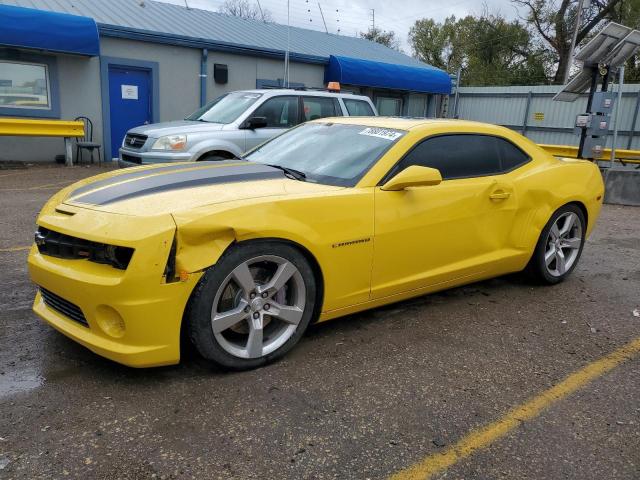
column 13, row 173
column 485, row 436
column 38, row 187
column 14, row 249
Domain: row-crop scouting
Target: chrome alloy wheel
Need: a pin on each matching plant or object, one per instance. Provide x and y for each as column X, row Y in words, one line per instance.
column 258, row 306
column 563, row 244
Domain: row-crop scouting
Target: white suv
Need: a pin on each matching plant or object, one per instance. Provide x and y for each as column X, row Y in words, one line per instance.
column 234, row 123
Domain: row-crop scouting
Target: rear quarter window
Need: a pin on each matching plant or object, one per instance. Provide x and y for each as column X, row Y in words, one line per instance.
column 511, row 156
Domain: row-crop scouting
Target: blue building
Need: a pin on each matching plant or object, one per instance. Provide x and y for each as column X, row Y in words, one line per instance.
column 126, row 62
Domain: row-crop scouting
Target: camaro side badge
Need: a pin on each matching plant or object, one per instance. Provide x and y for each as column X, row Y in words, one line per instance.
column 351, row 242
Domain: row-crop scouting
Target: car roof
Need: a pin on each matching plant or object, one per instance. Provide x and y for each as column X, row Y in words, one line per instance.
column 301, row 91
column 408, row 123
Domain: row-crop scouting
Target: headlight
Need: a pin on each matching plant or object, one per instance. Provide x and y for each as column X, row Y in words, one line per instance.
column 170, row 142
column 59, row 245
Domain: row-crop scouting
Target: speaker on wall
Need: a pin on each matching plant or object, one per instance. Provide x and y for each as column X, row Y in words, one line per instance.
column 220, row 73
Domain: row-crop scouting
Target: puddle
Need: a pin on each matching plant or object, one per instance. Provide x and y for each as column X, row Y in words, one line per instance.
column 18, row 382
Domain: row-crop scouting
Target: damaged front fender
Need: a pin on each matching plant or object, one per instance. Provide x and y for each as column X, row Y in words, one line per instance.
column 200, row 244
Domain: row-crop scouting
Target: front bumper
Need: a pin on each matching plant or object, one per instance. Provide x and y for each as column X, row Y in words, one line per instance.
column 132, row 157
column 133, row 315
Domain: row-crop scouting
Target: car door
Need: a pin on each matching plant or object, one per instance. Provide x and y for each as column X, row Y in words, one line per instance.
column 431, row 235
column 281, row 112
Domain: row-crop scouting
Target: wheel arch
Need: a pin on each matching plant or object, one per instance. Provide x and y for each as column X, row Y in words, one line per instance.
column 225, row 243
column 219, row 152
column 540, row 229
column 583, row 209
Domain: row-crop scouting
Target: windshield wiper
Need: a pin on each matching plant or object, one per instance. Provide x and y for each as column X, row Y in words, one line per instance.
column 291, row 172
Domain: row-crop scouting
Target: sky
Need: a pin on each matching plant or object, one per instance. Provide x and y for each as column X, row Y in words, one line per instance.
column 355, row 16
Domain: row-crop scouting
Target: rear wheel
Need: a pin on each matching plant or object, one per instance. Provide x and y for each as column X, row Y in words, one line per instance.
column 253, row 306
column 559, row 246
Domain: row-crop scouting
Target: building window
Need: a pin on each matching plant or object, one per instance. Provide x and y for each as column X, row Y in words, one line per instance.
column 24, row 85
column 28, row 86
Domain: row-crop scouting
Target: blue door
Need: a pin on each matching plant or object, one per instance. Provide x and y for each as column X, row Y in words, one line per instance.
column 129, row 102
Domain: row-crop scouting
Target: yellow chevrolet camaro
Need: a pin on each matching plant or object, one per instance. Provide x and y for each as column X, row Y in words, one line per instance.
column 331, row 218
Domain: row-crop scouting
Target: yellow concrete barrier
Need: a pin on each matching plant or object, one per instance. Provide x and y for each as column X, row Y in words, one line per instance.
column 570, row 151
column 41, row 128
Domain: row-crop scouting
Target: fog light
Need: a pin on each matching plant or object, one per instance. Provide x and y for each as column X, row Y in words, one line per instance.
column 110, row 321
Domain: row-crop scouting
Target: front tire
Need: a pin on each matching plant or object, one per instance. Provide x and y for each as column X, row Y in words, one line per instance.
column 559, row 246
column 253, row 306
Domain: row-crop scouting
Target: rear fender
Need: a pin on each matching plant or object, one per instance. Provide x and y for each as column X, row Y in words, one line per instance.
column 575, row 182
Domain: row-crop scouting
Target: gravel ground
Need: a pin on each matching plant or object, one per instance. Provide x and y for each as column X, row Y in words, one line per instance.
column 361, row 397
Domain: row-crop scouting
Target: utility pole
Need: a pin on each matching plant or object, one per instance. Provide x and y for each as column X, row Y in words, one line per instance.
column 286, row 54
column 617, row 114
column 322, row 15
column 573, row 41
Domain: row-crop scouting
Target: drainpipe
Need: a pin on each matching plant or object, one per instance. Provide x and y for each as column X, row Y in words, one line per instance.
column 203, row 77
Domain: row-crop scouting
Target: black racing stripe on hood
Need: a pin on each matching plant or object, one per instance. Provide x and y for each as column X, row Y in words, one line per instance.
column 177, row 181
column 145, row 172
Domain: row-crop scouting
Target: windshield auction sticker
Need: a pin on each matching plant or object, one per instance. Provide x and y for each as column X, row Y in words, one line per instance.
column 381, row 133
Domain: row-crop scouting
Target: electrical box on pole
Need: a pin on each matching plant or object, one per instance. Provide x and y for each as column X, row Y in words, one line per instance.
column 604, row 53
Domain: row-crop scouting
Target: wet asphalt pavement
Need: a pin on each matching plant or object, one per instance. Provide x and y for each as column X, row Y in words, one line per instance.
column 361, row 397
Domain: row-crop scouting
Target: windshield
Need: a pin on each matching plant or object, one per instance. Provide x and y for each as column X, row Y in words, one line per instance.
column 226, row 108
column 331, row 153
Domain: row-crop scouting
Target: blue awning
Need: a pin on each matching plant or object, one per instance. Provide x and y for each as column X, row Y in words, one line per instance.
column 366, row 73
column 49, row 31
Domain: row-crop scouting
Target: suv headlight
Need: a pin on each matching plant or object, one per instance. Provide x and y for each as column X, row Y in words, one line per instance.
column 170, row 142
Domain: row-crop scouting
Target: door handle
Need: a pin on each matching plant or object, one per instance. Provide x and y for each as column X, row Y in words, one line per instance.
column 499, row 195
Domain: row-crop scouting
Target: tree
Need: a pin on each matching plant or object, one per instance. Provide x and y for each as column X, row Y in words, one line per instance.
column 554, row 23
column 388, row 39
column 628, row 13
column 489, row 49
column 246, row 10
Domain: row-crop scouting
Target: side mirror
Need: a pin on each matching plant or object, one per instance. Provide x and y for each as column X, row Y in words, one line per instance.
column 413, row 176
column 252, row 123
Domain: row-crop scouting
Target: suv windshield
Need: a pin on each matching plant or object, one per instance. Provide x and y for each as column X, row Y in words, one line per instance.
column 226, row 108
column 330, row 153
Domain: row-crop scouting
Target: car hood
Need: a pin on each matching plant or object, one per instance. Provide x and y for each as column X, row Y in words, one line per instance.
column 172, row 188
column 157, row 130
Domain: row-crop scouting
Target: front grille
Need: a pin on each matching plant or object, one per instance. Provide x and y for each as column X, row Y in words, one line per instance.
column 131, row 158
column 55, row 244
column 133, row 140
column 63, row 306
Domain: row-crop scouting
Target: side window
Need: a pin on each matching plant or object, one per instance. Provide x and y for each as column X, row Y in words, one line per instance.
column 318, row 107
column 358, row 108
column 512, row 156
column 457, row 156
column 280, row 112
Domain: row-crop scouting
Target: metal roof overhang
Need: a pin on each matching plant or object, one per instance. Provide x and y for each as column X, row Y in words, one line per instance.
column 49, row 31
column 366, row 73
